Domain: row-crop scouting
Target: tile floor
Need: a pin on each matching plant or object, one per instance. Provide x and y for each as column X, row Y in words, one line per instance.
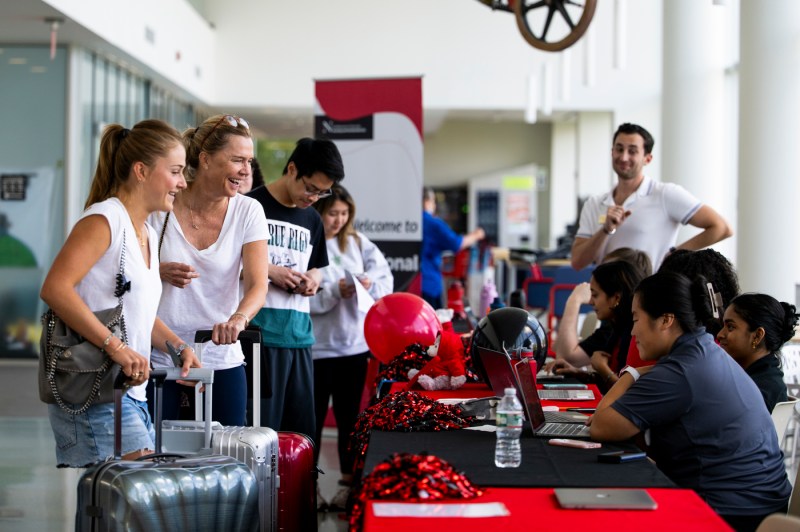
column 35, row 496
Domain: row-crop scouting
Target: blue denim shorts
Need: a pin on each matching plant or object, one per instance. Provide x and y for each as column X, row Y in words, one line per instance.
column 84, row 439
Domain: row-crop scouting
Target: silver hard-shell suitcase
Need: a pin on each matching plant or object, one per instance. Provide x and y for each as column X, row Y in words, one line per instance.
column 207, row 493
column 255, row 446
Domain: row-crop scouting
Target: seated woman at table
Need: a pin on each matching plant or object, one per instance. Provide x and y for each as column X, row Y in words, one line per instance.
column 709, row 428
column 754, row 329
column 609, row 291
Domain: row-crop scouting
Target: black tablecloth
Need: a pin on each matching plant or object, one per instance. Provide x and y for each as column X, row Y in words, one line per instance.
column 543, row 465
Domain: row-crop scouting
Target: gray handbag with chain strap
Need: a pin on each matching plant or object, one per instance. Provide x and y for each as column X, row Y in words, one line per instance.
column 73, row 371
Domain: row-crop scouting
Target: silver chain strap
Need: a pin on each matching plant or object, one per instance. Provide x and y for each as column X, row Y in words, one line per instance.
column 52, row 355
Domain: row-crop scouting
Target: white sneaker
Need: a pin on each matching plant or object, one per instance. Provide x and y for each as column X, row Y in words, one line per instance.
column 339, row 501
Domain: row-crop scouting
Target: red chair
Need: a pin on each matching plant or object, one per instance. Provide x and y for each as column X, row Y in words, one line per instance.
column 537, row 294
column 455, row 266
column 559, row 293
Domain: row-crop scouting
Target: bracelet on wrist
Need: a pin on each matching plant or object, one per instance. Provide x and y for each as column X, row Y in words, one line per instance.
column 106, row 341
column 122, row 345
column 609, row 233
column 241, row 315
column 633, row 372
column 183, row 346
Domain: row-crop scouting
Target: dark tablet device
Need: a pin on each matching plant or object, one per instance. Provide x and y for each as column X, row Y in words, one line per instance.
column 620, row 457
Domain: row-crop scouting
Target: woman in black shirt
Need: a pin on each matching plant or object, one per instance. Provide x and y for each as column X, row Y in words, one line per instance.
column 755, row 327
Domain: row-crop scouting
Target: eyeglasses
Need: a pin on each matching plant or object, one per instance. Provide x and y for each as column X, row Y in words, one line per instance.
column 233, row 121
column 314, row 191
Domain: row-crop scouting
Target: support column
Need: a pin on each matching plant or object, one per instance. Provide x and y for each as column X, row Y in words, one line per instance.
column 769, row 141
column 696, row 152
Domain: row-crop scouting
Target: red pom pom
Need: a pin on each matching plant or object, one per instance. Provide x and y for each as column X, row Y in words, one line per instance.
column 411, row 478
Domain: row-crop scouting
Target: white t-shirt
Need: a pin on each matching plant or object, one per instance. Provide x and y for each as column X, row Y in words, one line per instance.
column 213, row 296
column 657, row 209
column 140, row 303
column 338, row 323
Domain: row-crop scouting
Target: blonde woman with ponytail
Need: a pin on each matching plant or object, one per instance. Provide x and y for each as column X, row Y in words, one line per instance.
column 139, row 171
column 214, row 261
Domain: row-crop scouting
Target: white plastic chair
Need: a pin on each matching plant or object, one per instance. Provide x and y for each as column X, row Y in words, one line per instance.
column 781, row 415
column 794, row 499
column 779, row 523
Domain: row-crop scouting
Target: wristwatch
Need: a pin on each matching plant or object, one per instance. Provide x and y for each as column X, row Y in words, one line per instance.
column 632, row 371
column 609, row 232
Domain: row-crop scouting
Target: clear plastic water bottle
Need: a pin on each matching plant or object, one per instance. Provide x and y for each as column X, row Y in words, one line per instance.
column 507, row 451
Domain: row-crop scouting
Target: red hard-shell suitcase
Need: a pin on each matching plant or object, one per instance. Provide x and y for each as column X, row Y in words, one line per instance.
column 297, row 490
column 207, row 493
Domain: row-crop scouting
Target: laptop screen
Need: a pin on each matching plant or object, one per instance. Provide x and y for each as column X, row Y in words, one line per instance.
column 498, row 370
column 528, row 393
column 502, row 375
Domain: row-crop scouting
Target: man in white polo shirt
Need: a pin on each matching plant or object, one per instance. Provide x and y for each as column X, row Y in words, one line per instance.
column 640, row 213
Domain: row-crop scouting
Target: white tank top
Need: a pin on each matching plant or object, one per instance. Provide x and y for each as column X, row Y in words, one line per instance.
column 140, row 303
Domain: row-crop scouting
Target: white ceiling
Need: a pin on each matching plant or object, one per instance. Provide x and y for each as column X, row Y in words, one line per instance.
column 27, row 22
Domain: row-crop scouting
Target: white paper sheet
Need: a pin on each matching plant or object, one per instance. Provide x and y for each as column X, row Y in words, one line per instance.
column 483, row 428
column 477, row 509
column 365, row 301
column 453, row 400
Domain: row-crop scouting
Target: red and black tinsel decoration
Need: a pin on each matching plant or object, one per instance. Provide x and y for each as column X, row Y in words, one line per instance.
column 472, row 375
column 405, row 412
column 415, row 356
column 408, row 477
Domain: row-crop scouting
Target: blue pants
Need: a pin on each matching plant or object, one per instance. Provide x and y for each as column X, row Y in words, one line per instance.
column 434, row 301
column 228, row 404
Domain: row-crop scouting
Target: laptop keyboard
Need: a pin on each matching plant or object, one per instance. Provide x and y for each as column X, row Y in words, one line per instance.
column 564, row 429
column 564, row 417
column 564, row 395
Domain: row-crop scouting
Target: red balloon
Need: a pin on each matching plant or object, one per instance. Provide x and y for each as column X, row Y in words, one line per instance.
column 398, row 320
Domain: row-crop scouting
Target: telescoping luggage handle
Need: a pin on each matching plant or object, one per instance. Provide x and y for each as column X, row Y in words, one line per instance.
column 158, row 376
column 254, row 336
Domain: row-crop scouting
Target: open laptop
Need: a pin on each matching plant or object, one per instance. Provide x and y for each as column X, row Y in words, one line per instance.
column 540, row 425
column 502, row 375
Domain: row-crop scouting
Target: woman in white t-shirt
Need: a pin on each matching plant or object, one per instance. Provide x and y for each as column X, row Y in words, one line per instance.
column 139, row 171
column 211, row 236
column 340, row 352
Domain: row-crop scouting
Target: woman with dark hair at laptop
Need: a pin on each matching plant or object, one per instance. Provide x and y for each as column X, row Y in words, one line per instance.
column 710, row 430
column 607, row 350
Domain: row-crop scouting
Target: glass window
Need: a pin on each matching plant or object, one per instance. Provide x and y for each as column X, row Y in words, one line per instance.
column 113, row 110
column 31, row 188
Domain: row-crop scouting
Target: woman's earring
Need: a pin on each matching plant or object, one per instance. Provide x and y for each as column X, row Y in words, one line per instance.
column 755, row 344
